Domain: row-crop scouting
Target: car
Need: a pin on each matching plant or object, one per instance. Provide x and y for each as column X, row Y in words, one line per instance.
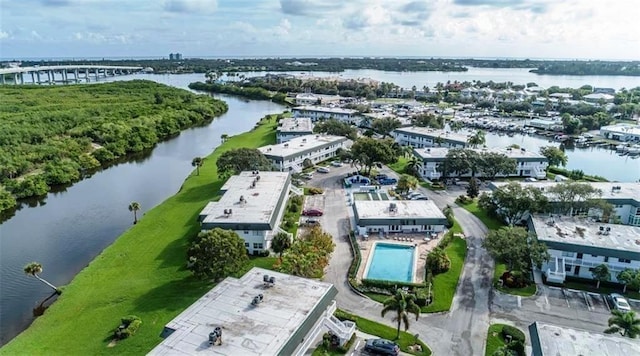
column 387, row 181
column 323, row 170
column 619, row 302
column 380, row 176
column 420, row 197
column 312, row 212
column 382, row 347
column 336, row 164
column 307, row 175
column 530, row 179
column 312, row 222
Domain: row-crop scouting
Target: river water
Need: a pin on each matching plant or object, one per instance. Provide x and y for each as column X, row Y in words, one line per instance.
column 72, row 227
column 68, row 229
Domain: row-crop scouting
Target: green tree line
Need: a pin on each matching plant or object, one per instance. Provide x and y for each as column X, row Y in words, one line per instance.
column 53, row 135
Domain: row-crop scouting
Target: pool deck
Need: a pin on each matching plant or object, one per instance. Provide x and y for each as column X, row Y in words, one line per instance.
column 424, row 247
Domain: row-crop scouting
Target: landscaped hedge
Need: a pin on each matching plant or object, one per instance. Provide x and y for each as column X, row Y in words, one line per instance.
column 357, row 258
column 389, row 284
column 515, row 333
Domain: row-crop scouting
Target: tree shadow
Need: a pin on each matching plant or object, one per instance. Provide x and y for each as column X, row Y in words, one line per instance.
column 41, row 308
column 173, row 295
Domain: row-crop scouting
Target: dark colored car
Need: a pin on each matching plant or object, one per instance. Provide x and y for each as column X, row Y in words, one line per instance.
column 312, row 212
column 380, row 176
column 382, row 347
column 387, row 181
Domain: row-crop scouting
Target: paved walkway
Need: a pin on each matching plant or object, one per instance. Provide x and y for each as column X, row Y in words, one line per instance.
column 462, row 331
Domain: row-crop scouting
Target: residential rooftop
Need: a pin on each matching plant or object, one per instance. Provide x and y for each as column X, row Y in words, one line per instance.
column 404, row 209
column 326, row 109
column 586, row 232
column 266, row 329
column 623, row 128
column 552, row 340
column 260, row 194
column 295, row 125
column 610, row 190
column 441, row 153
column 300, row 144
column 432, row 133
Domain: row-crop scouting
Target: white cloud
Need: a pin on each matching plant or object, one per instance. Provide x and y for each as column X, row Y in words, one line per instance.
column 4, row 35
column 191, row 6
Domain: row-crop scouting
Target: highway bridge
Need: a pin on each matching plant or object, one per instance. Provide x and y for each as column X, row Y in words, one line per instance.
column 61, row 73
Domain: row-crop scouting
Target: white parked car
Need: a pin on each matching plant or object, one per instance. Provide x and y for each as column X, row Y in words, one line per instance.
column 323, row 170
column 620, row 303
column 336, row 164
column 307, row 175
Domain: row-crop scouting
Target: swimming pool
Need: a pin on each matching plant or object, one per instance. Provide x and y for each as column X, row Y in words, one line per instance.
column 391, row 262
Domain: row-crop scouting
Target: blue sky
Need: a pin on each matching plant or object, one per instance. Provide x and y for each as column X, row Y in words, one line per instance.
column 582, row 29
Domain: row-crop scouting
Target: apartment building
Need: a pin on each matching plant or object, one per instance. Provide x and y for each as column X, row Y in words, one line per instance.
column 291, row 127
column 420, row 137
column 321, row 113
column 398, row 216
column 289, row 156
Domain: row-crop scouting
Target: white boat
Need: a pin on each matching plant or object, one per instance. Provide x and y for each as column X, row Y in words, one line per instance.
column 634, row 150
column 623, row 147
column 581, row 140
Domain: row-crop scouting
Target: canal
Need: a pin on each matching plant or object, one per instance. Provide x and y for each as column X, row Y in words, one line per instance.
column 70, row 228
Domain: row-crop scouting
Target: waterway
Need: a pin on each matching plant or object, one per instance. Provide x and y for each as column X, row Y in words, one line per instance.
column 68, row 229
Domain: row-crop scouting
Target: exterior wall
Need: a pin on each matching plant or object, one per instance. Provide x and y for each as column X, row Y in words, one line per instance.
column 295, row 162
column 535, row 169
column 419, row 141
column 286, row 136
column 581, row 264
column 321, row 115
column 373, row 229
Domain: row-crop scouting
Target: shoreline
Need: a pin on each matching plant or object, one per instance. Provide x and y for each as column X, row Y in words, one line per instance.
column 142, row 272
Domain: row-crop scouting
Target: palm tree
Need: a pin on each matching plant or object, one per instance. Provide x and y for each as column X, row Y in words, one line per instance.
column 197, row 162
column 601, row 273
column 624, row 323
column 403, row 304
column 455, row 126
column 34, row 269
column 414, row 165
column 407, row 182
column 134, row 207
column 439, row 141
column 224, row 137
column 477, row 139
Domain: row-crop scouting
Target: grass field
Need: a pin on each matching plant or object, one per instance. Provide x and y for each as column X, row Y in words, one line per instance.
column 445, row 284
column 492, row 223
column 142, row 273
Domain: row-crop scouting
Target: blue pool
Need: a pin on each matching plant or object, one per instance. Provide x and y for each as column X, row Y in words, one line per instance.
column 391, row 262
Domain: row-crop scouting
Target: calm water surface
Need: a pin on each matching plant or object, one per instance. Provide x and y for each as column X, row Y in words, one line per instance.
column 72, row 227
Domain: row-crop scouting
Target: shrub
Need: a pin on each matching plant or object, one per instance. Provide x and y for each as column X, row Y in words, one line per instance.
column 293, row 207
column 128, row 327
column 422, row 296
column 464, row 200
column 315, row 191
column 517, row 346
column 448, row 213
column 438, row 261
column 345, row 348
column 513, row 332
column 514, row 279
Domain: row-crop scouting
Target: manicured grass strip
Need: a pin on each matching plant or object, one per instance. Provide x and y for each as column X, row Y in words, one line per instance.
column 523, row 292
column 400, row 166
column 385, row 332
column 492, row 223
column 445, row 284
column 142, row 273
column 494, row 339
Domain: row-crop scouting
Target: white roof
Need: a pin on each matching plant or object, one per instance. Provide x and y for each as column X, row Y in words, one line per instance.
column 441, row 152
column 259, row 201
column 561, row 95
column 415, row 209
column 561, row 340
column 432, row 133
column 622, row 128
column 246, row 330
column 610, row 190
column 325, row 109
column 300, row 144
column 585, row 232
column 295, row 124
column 598, row 96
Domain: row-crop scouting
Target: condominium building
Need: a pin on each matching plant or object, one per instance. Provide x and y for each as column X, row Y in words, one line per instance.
column 625, row 197
column 252, row 205
column 289, row 156
column 420, row 137
column 528, row 163
column 262, row 313
column 578, row 245
column 321, row 113
column 621, row 132
column 291, row 127
column 397, row 216
column 316, row 99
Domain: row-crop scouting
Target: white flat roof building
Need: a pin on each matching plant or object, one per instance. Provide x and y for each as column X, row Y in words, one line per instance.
column 314, row 99
column 552, row 340
column 420, row 137
column 252, row 204
column 398, row 216
column 621, row 132
column 290, row 155
column 322, row 112
column 290, row 127
column 291, row 311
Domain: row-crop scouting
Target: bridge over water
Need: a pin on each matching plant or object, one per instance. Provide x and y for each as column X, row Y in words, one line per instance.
column 61, row 73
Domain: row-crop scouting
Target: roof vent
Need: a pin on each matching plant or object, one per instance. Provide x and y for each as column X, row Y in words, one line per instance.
column 269, row 281
column 242, row 200
column 228, row 212
column 304, row 140
column 257, row 300
column 215, row 337
column 286, row 145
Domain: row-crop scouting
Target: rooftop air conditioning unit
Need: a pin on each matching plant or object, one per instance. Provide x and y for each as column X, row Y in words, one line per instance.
column 215, row 337
column 257, row 299
column 286, row 145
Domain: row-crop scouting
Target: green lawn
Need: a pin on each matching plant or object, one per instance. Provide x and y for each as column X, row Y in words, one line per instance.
column 523, row 292
column 142, row 273
column 400, row 166
column 445, row 284
column 383, row 331
column 492, row 223
column 495, row 339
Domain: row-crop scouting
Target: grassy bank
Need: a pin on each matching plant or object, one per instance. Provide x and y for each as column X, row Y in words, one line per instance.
column 142, row 273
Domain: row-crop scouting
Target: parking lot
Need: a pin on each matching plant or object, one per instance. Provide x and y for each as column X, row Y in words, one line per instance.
column 578, row 300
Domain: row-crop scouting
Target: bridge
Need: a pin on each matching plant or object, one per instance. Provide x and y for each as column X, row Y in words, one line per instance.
column 61, row 73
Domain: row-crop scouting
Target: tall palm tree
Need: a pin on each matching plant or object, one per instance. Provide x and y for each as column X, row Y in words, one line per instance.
column 197, row 162
column 414, row 165
column 624, row 323
column 34, row 269
column 403, row 304
column 224, row 137
column 455, row 126
column 477, row 139
column 407, row 182
column 134, row 207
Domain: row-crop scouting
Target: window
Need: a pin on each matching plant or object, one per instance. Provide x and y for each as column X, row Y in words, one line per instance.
column 246, row 244
column 591, row 269
column 594, row 255
column 567, row 254
column 567, row 268
column 624, row 260
column 606, row 258
column 257, row 245
column 246, row 232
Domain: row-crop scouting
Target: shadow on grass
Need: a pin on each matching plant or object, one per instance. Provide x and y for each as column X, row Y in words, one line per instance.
column 172, row 296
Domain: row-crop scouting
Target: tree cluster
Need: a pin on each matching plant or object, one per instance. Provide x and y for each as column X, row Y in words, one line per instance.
column 513, row 201
column 460, row 161
column 234, row 161
column 513, row 246
column 308, row 255
column 367, row 152
column 336, row 127
column 52, row 135
column 216, row 254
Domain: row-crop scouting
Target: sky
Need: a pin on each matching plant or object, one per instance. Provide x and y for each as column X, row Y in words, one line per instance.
column 563, row 29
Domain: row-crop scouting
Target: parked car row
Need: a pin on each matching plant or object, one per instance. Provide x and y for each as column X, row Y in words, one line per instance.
column 416, row 196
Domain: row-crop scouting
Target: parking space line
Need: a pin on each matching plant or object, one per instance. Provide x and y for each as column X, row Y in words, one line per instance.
column 519, row 302
column 564, row 294
column 586, row 300
column 605, row 302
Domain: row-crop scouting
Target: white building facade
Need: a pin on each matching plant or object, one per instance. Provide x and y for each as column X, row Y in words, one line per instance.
column 322, row 113
column 316, row 99
column 398, row 216
column 252, row 205
column 528, row 164
column 290, row 127
column 420, row 137
column 621, row 132
column 289, row 156
column 578, row 245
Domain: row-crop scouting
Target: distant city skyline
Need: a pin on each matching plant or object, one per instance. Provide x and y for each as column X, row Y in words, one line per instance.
column 534, row 29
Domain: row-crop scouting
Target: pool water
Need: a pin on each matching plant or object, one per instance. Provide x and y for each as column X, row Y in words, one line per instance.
column 391, row 262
